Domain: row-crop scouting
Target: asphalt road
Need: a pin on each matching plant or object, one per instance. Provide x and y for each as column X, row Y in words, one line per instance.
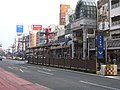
column 60, row 79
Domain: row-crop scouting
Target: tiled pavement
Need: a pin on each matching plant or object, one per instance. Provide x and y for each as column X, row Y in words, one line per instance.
column 9, row 81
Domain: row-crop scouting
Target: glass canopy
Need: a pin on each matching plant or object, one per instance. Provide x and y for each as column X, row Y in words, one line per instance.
column 85, row 9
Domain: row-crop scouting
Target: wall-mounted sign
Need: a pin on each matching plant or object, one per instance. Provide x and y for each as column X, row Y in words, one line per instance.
column 36, row 27
column 75, row 24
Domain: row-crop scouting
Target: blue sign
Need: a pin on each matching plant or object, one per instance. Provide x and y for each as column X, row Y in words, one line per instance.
column 19, row 28
column 100, row 45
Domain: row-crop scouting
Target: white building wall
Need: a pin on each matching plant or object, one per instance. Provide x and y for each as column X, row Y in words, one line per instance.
column 115, row 12
column 69, row 12
column 115, row 27
column 59, row 29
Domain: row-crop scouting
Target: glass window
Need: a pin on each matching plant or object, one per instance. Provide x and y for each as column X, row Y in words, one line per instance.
column 88, row 15
column 92, row 12
column 81, row 14
column 81, row 11
column 88, row 12
column 91, row 8
column 87, row 3
column 88, row 8
column 84, row 3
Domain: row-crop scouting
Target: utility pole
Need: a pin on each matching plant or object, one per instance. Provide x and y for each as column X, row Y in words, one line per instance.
column 73, row 50
column 84, row 43
column 22, row 41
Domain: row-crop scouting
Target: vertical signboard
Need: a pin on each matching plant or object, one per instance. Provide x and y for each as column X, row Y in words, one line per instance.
column 63, row 10
column 100, row 53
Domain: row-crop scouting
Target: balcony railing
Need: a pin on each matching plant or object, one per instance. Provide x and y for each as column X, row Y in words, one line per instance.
column 115, row 5
column 115, row 23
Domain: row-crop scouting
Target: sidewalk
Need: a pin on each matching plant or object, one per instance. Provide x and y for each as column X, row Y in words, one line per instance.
column 9, row 81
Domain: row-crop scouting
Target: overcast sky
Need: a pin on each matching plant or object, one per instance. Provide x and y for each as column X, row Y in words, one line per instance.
column 27, row 12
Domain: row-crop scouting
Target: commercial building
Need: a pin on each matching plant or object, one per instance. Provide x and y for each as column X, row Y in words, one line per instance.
column 83, row 28
column 110, row 10
column 115, row 18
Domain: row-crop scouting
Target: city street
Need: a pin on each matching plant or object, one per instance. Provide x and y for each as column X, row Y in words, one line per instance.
column 60, row 79
column 60, row 45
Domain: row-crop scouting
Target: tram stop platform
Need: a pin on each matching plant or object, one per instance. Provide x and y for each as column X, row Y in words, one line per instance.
column 9, row 81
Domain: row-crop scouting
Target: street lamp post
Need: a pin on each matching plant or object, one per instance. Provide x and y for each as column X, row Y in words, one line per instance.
column 72, row 46
column 84, row 43
column 88, row 47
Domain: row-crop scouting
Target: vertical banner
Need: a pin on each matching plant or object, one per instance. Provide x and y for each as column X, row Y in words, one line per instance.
column 100, row 45
column 63, row 10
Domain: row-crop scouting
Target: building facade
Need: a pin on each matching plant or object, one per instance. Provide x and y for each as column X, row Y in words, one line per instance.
column 83, row 27
column 115, row 18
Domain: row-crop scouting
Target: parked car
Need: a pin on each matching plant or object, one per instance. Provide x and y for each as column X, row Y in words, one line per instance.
column 1, row 58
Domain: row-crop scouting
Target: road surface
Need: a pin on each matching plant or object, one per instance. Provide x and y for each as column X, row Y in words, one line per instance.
column 60, row 79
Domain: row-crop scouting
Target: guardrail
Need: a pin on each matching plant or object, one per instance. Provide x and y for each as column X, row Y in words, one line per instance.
column 77, row 64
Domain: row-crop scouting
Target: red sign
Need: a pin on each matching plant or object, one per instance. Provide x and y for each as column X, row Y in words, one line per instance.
column 36, row 27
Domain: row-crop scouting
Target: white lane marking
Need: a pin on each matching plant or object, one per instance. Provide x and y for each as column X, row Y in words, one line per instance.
column 98, row 85
column 47, row 69
column 10, row 67
column 21, row 70
column 15, row 68
column 23, row 67
column 33, row 67
column 43, row 86
column 45, row 72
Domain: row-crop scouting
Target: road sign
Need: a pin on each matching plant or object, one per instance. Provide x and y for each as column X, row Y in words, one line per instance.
column 100, row 45
column 19, row 28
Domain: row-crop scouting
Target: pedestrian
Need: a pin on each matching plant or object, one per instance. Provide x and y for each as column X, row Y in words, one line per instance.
column 114, row 61
column 114, row 57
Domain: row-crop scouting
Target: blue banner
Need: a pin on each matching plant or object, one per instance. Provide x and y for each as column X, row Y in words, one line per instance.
column 19, row 28
column 100, row 45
